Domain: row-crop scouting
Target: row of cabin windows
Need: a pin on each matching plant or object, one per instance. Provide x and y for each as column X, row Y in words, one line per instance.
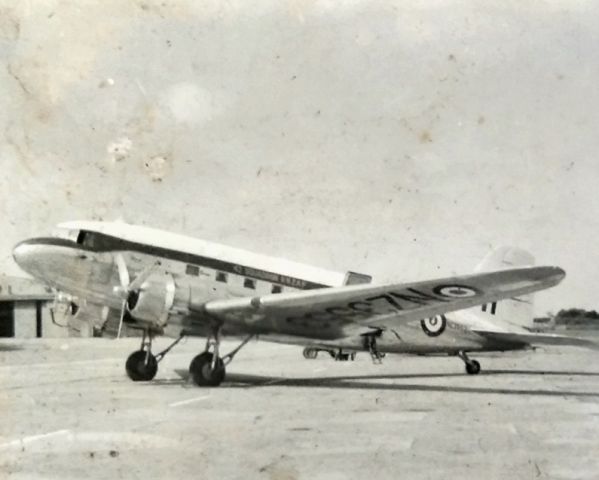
column 223, row 277
column 93, row 239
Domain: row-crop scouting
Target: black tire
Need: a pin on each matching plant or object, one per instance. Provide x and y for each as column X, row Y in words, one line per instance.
column 473, row 367
column 202, row 373
column 138, row 369
column 310, row 353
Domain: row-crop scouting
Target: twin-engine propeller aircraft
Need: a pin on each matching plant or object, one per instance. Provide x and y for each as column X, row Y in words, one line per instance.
column 164, row 283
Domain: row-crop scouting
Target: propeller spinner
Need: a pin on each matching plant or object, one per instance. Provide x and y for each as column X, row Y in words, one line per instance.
column 129, row 290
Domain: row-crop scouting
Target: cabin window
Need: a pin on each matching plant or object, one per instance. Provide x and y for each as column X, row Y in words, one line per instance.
column 192, row 270
column 249, row 283
column 87, row 239
column 221, row 277
column 276, row 289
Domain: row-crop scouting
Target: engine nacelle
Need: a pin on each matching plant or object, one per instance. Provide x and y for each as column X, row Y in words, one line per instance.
column 153, row 301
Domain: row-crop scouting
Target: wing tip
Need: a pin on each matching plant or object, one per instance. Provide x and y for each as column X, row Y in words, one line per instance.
column 552, row 274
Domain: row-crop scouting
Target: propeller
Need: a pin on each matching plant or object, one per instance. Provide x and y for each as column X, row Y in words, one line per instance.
column 129, row 290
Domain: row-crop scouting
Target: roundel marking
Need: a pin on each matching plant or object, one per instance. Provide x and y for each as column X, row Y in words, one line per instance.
column 434, row 326
column 456, row 291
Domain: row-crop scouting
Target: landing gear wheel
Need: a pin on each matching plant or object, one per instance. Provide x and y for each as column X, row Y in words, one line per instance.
column 202, row 373
column 473, row 367
column 310, row 353
column 141, row 366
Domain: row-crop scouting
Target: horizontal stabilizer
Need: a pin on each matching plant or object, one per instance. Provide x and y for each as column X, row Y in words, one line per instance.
column 541, row 339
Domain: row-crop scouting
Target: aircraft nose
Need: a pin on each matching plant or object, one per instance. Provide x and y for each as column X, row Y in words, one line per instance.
column 23, row 253
column 31, row 255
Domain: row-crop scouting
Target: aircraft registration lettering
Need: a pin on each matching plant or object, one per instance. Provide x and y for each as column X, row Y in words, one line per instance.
column 391, row 302
column 416, row 296
column 410, row 295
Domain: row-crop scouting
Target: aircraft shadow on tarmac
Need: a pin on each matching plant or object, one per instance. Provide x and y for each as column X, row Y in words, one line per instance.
column 368, row 382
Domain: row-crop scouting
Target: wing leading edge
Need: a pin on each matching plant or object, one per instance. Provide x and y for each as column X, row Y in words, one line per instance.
column 331, row 312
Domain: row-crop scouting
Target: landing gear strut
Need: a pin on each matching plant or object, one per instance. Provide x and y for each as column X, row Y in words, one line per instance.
column 208, row 369
column 472, row 366
column 142, row 365
column 371, row 346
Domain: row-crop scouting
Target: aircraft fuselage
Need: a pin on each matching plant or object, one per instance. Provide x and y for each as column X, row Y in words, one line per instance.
column 85, row 267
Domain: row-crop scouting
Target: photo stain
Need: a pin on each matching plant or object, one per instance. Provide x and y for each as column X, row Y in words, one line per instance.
column 425, row 137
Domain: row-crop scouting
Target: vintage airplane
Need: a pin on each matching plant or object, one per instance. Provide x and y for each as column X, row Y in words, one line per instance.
column 165, row 283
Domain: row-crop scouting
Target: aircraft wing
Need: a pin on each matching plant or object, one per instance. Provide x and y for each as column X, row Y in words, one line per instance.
column 332, row 312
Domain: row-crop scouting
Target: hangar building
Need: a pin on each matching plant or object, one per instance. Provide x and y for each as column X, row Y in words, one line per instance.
column 25, row 309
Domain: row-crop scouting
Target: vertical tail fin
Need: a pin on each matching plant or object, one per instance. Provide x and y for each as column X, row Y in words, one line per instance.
column 517, row 311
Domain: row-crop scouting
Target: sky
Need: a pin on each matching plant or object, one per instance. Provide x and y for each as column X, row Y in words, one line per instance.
column 400, row 139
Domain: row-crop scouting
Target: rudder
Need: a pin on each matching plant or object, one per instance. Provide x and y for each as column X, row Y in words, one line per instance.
column 518, row 311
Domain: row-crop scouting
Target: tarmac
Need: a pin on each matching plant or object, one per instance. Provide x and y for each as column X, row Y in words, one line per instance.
column 68, row 411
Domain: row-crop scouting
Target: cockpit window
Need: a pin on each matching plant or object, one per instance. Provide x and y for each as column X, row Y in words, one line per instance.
column 89, row 239
column 81, row 237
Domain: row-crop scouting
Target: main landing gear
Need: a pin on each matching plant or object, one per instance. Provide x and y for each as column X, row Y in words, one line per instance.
column 370, row 345
column 472, row 366
column 142, row 365
column 208, row 369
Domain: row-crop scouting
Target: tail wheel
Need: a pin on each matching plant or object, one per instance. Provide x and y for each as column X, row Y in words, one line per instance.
column 310, row 353
column 472, row 367
column 141, row 366
column 203, row 373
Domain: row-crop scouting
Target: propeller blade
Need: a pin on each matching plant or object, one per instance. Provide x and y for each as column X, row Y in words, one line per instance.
column 143, row 276
column 127, row 288
column 123, row 307
column 121, row 266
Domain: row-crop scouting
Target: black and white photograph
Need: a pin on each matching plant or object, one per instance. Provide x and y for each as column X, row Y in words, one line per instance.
column 299, row 240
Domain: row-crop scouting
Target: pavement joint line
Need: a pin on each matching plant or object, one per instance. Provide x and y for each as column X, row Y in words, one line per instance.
column 33, row 438
column 188, row 401
column 60, row 364
column 274, row 381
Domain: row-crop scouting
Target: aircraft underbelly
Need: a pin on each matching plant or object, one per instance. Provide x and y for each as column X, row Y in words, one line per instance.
column 412, row 339
column 408, row 339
